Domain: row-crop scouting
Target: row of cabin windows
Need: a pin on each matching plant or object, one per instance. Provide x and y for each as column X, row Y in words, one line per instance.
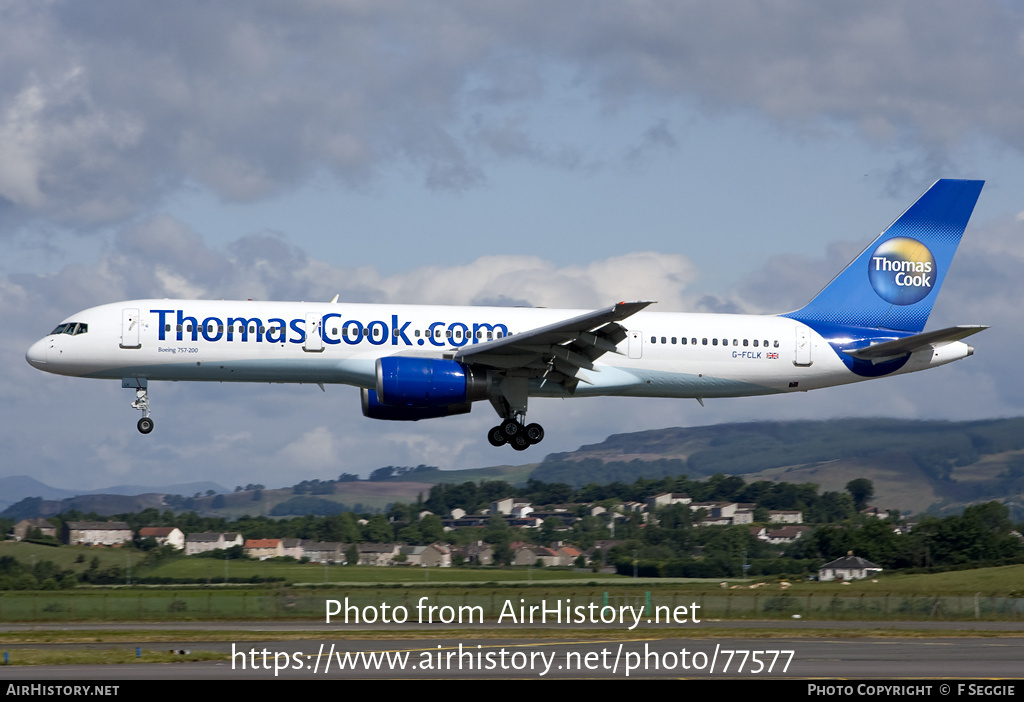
column 220, row 329
column 757, row 343
column 349, row 331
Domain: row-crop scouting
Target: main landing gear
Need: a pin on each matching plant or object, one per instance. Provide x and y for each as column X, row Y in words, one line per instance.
column 510, row 404
column 141, row 403
column 512, row 432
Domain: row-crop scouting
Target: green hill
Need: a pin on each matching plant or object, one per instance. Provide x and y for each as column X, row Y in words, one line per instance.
column 914, row 465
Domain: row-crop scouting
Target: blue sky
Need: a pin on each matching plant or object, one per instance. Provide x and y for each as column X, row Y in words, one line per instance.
column 710, row 156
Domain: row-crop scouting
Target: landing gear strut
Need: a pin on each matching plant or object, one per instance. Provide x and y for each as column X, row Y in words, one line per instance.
column 141, row 403
column 511, row 431
column 510, row 404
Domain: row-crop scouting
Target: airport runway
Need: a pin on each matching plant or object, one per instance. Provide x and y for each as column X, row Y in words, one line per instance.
column 662, row 654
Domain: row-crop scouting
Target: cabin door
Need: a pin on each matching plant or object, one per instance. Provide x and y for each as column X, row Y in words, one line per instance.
column 130, row 329
column 636, row 344
column 803, row 346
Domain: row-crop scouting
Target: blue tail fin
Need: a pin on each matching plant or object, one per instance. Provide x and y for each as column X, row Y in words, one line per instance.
column 893, row 283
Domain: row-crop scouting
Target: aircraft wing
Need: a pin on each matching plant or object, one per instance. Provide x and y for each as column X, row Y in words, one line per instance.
column 901, row 347
column 558, row 352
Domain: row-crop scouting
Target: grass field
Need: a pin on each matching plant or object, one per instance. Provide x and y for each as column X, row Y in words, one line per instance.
column 65, row 556
column 201, row 568
column 1001, row 581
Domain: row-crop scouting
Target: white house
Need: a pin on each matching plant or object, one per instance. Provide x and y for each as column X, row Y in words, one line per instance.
column 849, row 567
column 165, row 536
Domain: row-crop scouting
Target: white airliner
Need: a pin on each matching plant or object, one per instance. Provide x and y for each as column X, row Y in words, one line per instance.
column 423, row 361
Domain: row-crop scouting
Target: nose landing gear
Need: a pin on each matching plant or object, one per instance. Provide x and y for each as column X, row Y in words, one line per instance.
column 141, row 403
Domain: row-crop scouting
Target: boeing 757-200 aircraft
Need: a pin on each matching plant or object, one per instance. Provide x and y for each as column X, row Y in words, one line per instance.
column 423, row 361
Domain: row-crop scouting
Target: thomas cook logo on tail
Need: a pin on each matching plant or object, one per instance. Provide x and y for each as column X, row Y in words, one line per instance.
column 902, row 270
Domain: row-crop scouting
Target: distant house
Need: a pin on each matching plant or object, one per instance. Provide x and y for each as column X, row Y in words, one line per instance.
column 724, row 513
column 785, row 516
column 23, row 528
column 511, row 506
column 263, row 548
column 430, row 556
column 530, row 555
column 479, row 552
column 667, row 498
column 97, row 533
column 437, row 555
column 377, row 554
column 568, row 554
column 849, row 567
column 165, row 536
column 293, row 548
column 324, row 551
column 201, row 542
column 785, row 535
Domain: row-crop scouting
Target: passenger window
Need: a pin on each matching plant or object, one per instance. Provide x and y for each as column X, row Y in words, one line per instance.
column 704, row 341
column 755, row 343
column 776, row 343
column 654, row 340
column 673, row 340
column 744, row 342
column 714, row 342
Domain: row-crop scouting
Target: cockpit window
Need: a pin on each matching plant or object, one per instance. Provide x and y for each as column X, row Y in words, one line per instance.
column 73, row 328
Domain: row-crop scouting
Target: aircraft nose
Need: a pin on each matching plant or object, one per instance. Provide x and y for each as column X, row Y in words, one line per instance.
column 36, row 354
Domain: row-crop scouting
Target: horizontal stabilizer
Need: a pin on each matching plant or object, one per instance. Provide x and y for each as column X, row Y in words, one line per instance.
column 907, row 345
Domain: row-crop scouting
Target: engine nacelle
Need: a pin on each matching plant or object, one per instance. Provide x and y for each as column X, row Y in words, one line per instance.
column 373, row 409
column 404, row 381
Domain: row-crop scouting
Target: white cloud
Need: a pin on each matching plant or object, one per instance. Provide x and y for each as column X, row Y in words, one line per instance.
column 105, row 110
